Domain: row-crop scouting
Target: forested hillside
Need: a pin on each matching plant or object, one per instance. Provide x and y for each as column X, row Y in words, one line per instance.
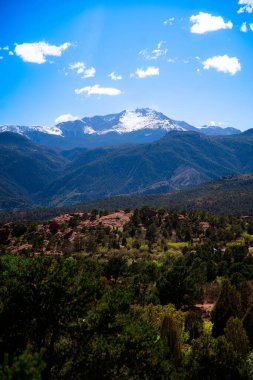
column 135, row 294
column 178, row 160
column 227, row 196
column 32, row 175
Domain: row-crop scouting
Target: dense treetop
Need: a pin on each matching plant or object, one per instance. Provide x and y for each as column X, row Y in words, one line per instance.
column 134, row 294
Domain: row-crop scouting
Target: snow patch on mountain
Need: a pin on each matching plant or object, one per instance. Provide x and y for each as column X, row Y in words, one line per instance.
column 132, row 121
column 23, row 130
column 137, row 120
column 136, row 124
column 49, row 130
column 89, row 131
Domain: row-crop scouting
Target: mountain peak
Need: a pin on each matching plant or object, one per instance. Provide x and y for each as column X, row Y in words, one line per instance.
column 249, row 132
column 216, row 130
column 144, row 118
column 139, row 125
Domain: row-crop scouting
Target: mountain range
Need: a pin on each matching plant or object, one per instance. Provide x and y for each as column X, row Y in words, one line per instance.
column 36, row 175
column 141, row 125
column 232, row 195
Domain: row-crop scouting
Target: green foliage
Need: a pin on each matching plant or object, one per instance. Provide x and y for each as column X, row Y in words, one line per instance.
column 248, row 324
column 215, row 359
column 26, row 366
column 193, row 324
column 19, row 229
column 83, row 300
column 249, row 365
column 40, row 298
column 116, row 266
column 228, row 305
column 236, row 335
column 170, row 335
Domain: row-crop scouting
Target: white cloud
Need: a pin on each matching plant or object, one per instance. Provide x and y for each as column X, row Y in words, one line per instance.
column 115, row 76
column 37, row 52
column 247, row 6
column 66, row 117
column 89, row 73
column 215, row 124
column 170, row 21
column 205, row 22
column 155, row 53
column 149, row 72
column 225, row 64
column 7, row 50
column 98, row 90
column 244, row 27
column 80, row 68
column 1, row 57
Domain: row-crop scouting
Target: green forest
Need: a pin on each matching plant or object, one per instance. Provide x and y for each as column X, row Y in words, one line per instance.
column 135, row 294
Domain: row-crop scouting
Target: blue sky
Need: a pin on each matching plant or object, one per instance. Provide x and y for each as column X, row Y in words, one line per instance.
column 192, row 60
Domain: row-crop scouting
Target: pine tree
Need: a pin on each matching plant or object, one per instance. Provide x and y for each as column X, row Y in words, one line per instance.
column 170, row 334
column 228, row 305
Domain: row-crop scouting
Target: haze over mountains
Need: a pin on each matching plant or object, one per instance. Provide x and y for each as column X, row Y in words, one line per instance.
column 139, row 126
column 25, row 169
column 32, row 174
column 228, row 195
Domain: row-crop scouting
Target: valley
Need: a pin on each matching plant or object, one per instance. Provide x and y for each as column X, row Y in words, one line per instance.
column 34, row 175
column 126, row 190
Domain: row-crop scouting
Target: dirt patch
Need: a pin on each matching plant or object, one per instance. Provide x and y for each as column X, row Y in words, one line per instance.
column 205, row 308
column 204, row 225
column 116, row 220
column 251, row 251
column 63, row 218
column 21, row 248
column 210, row 294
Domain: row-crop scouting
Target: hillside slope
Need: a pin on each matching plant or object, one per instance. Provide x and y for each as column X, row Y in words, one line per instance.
column 25, row 169
column 178, row 160
column 33, row 175
column 229, row 195
column 226, row 196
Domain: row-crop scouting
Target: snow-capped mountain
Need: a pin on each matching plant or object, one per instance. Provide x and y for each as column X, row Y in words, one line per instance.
column 24, row 130
column 130, row 121
column 215, row 130
column 137, row 126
